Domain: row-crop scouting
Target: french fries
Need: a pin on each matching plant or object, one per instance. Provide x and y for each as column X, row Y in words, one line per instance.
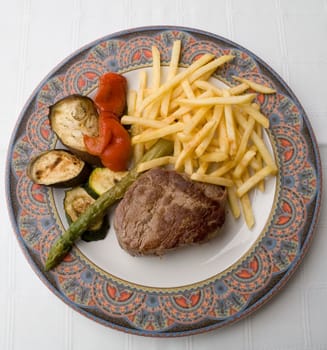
column 217, row 132
column 167, row 86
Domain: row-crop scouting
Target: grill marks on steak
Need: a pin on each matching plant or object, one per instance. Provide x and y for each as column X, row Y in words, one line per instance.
column 164, row 210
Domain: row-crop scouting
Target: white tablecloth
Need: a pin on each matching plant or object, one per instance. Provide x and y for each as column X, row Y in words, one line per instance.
column 35, row 35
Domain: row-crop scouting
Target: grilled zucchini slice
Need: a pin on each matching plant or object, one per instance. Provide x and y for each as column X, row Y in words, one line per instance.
column 101, row 179
column 76, row 201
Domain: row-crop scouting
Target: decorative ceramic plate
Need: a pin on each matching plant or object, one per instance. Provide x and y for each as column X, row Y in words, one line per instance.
column 195, row 289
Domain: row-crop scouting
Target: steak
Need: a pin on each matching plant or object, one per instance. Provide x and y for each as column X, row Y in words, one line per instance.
column 164, row 210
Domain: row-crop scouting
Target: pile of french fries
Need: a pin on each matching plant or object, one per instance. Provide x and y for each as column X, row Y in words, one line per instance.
column 217, row 133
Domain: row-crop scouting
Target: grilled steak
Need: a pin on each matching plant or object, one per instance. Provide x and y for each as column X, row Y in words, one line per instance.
column 164, row 210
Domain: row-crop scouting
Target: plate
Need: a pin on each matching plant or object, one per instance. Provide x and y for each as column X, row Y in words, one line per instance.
column 196, row 289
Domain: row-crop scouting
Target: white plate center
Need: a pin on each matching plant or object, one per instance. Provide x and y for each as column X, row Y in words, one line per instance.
column 183, row 266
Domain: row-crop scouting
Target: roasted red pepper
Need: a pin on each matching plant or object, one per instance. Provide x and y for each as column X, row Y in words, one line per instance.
column 113, row 144
column 111, row 96
column 96, row 145
column 117, row 153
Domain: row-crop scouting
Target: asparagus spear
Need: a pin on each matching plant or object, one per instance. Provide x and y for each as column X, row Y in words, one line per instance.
column 65, row 242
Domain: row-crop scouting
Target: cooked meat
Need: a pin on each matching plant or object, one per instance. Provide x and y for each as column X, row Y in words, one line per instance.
column 164, row 210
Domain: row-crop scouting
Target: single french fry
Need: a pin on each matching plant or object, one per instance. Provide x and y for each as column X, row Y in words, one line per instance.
column 181, row 110
column 200, row 72
column 224, row 169
column 156, row 67
column 261, row 185
column 214, row 148
column 164, row 106
column 210, row 101
column 247, row 211
column 216, row 157
column 209, row 67
column 188, row 166
column 187, row 118
column 156, row 134
column 177, row 147
column 230, row 126
column 222, row 137
column 131, row 102
column 258, row 158
column 255, row 165
column 141, row 91
column 255, row 106
column 262, row 149
column 194, row 142
column 173, row 66
column 203, row 167
column 146, row 112
column 206, row 76
column 147, row 92
column 154, row 163
column 215, row 140
column 255, row 114
column 255, row 86
column 171, row 119
column 220, row 181
column 152, row 111
column 238, row 89
column 129, row 119
column 205, row 85
column 184, row 138
column 187, row 89
column 217, row 115
column 244, row 140
column 233, row 201
column 254, row 180
column 138, row 150
column 197, row 118
column 246, row 159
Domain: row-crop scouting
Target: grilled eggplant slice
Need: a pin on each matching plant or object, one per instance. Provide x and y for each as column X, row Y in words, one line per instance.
column 75, row 203
column 73, row 117
column 58, row 168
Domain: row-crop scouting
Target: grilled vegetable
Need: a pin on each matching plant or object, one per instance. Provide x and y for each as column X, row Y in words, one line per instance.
column 75, row 203
column 64, row 244
column 101, row 179
column 71, row 118
column 112, row 145
column 111, row 95
column 58, row 168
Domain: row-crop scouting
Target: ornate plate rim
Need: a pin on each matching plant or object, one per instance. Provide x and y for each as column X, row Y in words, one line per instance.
column 244, row 312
